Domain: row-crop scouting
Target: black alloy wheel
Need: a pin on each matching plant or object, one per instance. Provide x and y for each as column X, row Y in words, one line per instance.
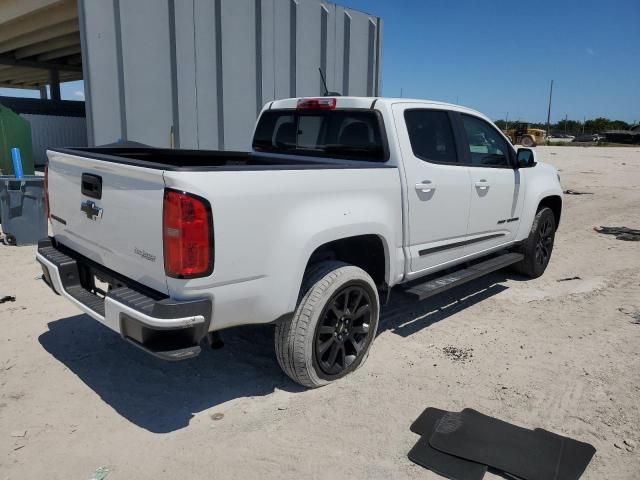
column 544, row 243
column 344, row 330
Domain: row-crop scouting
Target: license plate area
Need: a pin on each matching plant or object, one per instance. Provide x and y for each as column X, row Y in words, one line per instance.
column 97, row 281
column 100, row 287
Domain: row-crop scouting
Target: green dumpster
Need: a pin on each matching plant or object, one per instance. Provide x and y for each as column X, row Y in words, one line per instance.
column 15, row 131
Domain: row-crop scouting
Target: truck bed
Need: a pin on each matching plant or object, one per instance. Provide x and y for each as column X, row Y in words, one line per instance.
column 207, row 160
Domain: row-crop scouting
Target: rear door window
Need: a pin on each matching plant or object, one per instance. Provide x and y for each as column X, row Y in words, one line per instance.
column 431, row 135
column 349, row 134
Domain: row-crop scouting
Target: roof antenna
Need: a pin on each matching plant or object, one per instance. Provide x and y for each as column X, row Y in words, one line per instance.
column 327, row 93
column 324, row 83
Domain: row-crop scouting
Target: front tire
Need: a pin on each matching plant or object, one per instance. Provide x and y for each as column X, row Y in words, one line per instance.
column 527, row 142
column 539, row 245
column 333, row 326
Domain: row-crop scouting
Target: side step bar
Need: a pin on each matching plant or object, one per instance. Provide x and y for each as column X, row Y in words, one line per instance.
column 451, row 280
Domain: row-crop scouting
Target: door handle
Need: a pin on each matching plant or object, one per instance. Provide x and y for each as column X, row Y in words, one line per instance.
column 482, row 185
column 425, row 186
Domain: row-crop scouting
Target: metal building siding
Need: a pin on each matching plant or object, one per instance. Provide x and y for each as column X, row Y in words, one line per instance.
column 207, row 131
column 101, row 71
column 48, row 131
column 196, row 72
column 238, row 72
column 147, row 67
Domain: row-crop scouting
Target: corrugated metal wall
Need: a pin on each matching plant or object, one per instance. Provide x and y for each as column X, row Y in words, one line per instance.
column 195, row 73
column 48, row 131
column 53, row 123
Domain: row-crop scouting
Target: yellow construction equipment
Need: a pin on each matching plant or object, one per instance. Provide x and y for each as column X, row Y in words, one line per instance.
column 521, row 134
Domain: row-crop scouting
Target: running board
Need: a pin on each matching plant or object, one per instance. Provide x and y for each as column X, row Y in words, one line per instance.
column 451, row 280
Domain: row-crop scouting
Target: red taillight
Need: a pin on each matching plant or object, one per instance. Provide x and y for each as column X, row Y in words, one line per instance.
column 188, row 235
column 46, row 191
column 316, row 104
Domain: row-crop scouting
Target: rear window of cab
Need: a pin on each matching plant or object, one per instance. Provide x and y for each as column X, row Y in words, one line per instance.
column 347, row 134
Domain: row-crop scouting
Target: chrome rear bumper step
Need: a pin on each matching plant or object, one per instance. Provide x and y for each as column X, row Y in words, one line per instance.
column 169, row 329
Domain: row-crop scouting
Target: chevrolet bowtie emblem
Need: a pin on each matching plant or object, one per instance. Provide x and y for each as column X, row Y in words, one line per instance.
column 91, row 210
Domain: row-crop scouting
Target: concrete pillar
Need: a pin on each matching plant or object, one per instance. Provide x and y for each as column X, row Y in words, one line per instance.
column 54, row 83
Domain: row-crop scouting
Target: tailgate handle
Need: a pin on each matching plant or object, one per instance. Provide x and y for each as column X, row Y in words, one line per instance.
column 92, row 185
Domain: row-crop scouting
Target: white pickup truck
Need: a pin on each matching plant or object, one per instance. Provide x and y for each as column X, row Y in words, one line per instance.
column 340, row 200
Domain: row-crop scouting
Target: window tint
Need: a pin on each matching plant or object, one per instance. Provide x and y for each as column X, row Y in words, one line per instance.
column 309, row 130
column 431, row 135
column 348, row 134
column 486, row 145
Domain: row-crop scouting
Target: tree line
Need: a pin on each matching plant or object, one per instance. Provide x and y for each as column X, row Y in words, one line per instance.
column 575, row 127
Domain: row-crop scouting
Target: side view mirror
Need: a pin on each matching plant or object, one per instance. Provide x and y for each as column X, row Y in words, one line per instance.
column 525, row 158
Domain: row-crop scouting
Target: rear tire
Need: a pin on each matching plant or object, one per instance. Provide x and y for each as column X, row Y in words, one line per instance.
column 333, row 326
column 527, row 142
column 539, row 245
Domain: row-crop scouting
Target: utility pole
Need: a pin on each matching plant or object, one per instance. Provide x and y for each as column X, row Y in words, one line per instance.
column 507, row 122
column 566, row 116
column 400, row 92
column 549, row 109
column 584, row 121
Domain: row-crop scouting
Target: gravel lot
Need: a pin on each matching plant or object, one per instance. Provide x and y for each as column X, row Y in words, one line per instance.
column 562, row 355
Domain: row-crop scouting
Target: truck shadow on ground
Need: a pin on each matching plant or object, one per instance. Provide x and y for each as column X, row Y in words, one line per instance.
column 404, row 316
column 162, row 397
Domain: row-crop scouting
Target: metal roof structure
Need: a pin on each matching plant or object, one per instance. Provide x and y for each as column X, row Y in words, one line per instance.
column 39, row 44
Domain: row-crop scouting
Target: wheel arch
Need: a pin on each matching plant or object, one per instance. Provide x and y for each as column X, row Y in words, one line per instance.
column 554, row 202
column 366, row 251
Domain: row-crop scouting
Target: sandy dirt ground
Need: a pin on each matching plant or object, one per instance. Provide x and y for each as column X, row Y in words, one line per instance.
column 562, row 355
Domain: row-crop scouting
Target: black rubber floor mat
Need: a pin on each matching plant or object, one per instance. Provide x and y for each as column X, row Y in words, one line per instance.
column 448, row 466
column 575, row 457
column 527, row 454
column 427, row 421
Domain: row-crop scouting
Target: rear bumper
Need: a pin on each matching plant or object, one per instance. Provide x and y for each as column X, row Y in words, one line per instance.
column 166, row 328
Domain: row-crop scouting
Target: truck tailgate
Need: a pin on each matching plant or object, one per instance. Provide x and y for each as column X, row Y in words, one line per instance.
column 115, row 219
